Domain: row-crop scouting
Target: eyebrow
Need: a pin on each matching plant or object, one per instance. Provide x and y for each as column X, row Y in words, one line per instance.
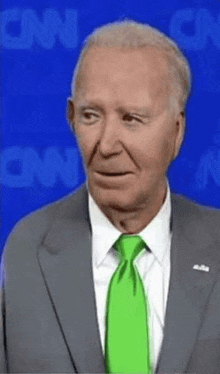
column 90, row 105
column 143, row 112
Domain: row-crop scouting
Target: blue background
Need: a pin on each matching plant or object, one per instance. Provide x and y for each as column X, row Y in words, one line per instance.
column 40, row 44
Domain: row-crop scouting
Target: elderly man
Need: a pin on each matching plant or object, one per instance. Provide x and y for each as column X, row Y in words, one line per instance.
column 122, row 276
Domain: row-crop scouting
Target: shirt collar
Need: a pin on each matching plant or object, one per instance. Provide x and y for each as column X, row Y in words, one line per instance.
column 104, row 234
column 157, row 234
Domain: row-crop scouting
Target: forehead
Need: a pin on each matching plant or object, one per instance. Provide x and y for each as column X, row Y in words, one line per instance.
column 123, row 72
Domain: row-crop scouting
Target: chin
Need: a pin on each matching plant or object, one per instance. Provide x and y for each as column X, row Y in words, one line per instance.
column 121, row 200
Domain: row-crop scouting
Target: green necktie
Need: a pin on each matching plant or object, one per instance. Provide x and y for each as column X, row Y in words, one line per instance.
column 126, row 338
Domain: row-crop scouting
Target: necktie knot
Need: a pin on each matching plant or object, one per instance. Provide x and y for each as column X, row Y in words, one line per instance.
column 129, row 246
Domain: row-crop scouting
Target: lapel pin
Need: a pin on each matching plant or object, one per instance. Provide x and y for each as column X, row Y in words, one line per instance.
column 201, row 267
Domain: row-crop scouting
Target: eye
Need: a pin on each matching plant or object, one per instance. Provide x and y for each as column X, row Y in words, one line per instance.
column 131, row 119
column 88, row 116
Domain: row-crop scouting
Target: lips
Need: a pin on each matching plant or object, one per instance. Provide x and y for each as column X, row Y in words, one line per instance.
column 112, row 173
column 111, row 178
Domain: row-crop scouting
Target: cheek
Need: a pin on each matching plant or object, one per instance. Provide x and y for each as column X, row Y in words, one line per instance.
column 84, row 140
column 157, row 152
column 167, row 150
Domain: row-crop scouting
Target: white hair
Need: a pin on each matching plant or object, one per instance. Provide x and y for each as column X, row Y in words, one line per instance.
column 131, row 34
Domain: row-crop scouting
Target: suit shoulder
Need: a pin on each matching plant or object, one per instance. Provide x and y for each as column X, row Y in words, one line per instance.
column 32, row 229
column 206, row 216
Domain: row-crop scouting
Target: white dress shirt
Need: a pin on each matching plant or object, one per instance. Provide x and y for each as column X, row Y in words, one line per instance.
column 154, row 267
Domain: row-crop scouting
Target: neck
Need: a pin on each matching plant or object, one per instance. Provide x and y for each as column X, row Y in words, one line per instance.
column 133, row 222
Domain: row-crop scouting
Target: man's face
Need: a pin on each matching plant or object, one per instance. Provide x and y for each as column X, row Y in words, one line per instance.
column 127, row 133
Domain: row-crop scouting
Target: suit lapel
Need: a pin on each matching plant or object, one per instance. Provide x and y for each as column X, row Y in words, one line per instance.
column 65, row 260
column 189, row 288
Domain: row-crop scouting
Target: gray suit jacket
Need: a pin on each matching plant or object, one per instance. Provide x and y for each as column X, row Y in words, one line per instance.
column 48, row 300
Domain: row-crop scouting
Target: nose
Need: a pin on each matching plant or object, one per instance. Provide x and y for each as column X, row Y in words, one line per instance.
column 109, row 142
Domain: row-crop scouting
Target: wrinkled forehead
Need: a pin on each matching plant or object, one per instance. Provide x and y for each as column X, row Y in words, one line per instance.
column 130, row 73
column 135, row 59
column 145, row 65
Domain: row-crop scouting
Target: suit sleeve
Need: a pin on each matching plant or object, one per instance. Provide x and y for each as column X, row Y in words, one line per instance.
column 2, row 317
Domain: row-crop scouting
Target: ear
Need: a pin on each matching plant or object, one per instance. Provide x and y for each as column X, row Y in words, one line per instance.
column 180, row 130
column 70, row 113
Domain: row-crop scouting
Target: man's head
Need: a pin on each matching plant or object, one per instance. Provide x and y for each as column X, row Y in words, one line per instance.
column 130, row 88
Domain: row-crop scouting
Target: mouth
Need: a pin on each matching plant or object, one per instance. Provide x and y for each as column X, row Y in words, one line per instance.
column 111, row 174
column 111, row 179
